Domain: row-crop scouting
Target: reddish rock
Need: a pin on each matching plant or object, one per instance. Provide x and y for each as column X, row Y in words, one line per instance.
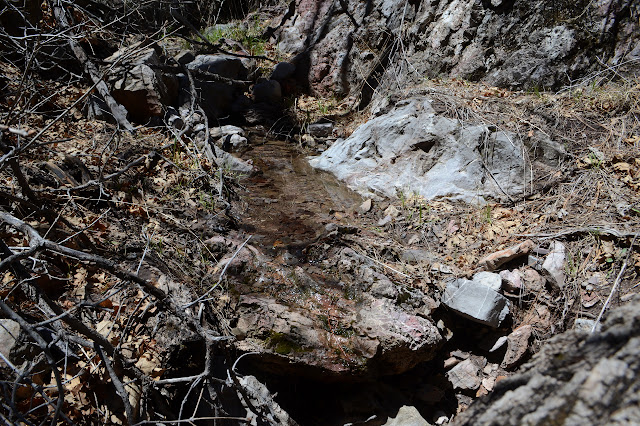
column 499, row 258
column 517, row 346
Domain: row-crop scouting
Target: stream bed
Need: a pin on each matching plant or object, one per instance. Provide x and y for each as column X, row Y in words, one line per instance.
column 287, row 203
column 305, row 307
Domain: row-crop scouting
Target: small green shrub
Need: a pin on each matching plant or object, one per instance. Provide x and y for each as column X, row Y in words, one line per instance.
column 249, row 35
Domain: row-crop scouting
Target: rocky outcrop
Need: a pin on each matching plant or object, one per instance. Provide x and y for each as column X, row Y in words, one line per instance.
column 576, row 379
column 342, row 45
column 413, row 150
column 139, row 85
column 368, row 328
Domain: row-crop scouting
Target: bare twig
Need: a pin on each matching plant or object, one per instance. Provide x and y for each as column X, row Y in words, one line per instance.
column 614, row 287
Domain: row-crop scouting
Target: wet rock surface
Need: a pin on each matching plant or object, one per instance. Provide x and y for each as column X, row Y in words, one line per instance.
column 339, row 317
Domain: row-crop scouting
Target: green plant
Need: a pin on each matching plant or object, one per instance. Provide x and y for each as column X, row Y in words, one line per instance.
column 207, row 201
column 282, row 344
column 323, row 108
column 249, row 35
column 487, row 213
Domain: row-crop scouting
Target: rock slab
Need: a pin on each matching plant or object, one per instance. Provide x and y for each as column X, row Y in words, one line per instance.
column 413, row 150
column 407, row 416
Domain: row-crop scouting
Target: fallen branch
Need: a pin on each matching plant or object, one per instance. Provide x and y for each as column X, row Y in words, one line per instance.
column 585, row 230
column 15, row 131
column 45, row 348
column 118, row 111
column 38, row 243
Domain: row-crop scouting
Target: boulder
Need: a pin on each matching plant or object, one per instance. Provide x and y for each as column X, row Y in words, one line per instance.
column 577, row 378
column 138, row 85
column 217, row 98
column 376, row 337
column 282, row 71
column 223, row 65
column 411, row 149
column 320, row 130
column 476, row 301
column 267, row 91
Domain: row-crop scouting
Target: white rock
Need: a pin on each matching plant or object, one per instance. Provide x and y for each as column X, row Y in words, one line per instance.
column 365, row 206
column 216, row 132
column 553, row 266
column 385, row 220
column 511, row 281
column 392, row 211
column 414, row 150
column 491, row 280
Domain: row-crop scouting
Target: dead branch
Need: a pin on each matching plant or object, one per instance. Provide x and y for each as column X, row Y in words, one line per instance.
column 39, row 243
column 118, row 111
column 153, row 156
column 585, row 230
column 117, row 383
column 45, row 349
column 15, row 131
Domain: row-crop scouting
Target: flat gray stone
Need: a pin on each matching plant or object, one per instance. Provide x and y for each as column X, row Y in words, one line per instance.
column 407, row 416
column 465, row 375
column 320, row 130
column 415, row 256
column 476, row 301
